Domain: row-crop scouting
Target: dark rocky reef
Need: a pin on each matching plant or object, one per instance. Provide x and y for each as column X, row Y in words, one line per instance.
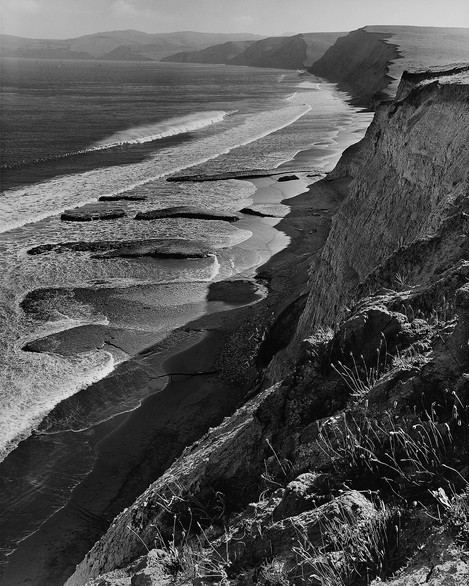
column 287, row 178
column 122, row 197
column 256, row 212
column 241, row 174
column 92, row 212
column 170, row 248
column 153, row 247
column 188, row 212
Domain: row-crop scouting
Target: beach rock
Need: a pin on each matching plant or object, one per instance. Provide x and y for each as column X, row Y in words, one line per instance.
column 171, row 248
column 156, row 247
column 75, row 340
column 254, row 212
column 80, row 246
column 241, row 174
column 90, row 213
column 192, row 212
column 287, row 178
column 122, row 197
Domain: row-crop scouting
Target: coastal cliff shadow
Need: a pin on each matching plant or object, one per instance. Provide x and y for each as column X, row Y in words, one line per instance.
column 287, row 273
column 105, row 466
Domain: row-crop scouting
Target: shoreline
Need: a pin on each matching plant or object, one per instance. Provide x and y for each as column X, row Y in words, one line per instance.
column 200, row 397
column 305, row 229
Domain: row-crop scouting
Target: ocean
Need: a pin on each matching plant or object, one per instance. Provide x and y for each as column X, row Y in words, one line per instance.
column 74, row 131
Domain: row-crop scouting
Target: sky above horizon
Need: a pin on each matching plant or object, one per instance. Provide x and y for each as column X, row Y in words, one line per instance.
column 73, row 18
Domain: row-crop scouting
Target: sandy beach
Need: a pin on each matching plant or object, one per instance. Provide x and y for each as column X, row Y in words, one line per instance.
column 186, row 383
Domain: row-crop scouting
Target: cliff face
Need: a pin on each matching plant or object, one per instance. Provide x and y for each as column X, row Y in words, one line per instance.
column 359, row 62
column 369, row 62
column 319, row 477
column 408, row 175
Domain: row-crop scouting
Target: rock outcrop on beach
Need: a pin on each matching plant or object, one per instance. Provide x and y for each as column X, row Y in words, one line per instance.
column 152, row 247
column 350, row 461
column 122, row 197
column 170, row 248
column 288, row 178
column 92, row 212
column 187, row 212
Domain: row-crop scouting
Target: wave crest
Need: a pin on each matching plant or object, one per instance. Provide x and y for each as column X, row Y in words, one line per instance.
column 159, row 130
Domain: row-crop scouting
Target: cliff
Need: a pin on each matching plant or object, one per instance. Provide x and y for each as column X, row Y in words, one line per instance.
column 351, row 462
column 294, row 52
column 369, row 62
column 413, row 161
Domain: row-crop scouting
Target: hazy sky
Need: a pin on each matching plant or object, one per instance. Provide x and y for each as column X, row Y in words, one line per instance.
column 70, row 18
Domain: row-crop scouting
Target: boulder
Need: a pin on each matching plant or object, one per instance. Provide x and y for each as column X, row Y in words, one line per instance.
column 302, row 494
column 288, row 178
column 371, row 330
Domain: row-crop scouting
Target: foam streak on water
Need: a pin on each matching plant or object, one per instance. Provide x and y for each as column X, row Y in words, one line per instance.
column 22, row 206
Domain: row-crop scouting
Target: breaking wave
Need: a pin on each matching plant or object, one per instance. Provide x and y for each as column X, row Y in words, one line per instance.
column 152, row 132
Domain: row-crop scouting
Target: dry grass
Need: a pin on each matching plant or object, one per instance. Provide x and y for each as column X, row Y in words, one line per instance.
column 410, row 457
column 349, row 553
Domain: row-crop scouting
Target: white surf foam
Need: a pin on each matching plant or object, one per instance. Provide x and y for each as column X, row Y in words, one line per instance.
column 170, row 127
column 22, row 206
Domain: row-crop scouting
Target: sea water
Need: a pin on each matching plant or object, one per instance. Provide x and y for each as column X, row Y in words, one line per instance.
column 74, row 131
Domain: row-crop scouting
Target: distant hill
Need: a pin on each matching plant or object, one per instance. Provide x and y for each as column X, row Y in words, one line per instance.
column 222, row 53
column 124, row 45
column 292, row 52
column 369, row 62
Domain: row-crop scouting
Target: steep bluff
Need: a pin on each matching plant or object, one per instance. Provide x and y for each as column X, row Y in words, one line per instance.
column 359, row 62
column 374, row 398
column 369, row 62
column 408, row 174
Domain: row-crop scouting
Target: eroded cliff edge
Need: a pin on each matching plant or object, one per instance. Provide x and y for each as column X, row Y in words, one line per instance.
column 352, row 461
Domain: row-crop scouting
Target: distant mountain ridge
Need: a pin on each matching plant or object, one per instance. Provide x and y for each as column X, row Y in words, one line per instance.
column 123, row 45
column 293, row 52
